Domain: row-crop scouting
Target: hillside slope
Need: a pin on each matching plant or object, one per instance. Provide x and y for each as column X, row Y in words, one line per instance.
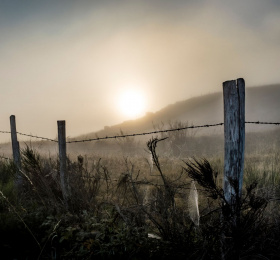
column 262, row 104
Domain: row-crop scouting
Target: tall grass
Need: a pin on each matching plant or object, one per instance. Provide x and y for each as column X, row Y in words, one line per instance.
column 120, row 208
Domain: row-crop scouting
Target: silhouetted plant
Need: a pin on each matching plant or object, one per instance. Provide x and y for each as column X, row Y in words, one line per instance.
column 240, row 226
column 110, row 217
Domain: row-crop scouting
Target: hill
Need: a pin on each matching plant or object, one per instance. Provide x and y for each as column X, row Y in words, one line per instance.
column 262, row 104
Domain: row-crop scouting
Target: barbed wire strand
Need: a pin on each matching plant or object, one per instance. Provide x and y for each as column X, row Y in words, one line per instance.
column 263, row 123
column 38, row 137
column 139, row 134
column 29, row 135
column 5, row 132
column 145, row 133
column 164, row 131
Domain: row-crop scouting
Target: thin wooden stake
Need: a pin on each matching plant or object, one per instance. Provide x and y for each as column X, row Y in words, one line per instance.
column 16, row 150
column 62, row 158
column 234, row 130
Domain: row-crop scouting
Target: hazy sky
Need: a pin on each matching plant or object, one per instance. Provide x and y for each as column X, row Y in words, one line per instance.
column 71, row 60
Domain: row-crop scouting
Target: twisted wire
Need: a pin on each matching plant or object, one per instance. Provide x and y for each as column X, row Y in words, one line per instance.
column 38, row 137
column 5, row 132
column 262, row 123
column 145, row 133
column 140, row 134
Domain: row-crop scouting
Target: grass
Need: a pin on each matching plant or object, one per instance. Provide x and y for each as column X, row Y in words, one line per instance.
column 121, row 207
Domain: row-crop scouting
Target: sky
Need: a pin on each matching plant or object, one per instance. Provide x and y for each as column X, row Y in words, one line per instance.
column 77, row 60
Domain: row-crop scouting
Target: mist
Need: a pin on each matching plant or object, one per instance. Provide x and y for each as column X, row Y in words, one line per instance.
column 69, row 60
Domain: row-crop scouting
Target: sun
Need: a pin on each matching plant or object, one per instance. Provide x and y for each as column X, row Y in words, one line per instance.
column 132, row 103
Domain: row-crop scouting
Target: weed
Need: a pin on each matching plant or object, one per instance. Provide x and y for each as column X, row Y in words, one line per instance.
column 118, row 209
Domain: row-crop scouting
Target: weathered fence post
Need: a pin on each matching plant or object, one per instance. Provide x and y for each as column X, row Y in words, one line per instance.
column 62, row 159
column 234, row 131
column 16, row 150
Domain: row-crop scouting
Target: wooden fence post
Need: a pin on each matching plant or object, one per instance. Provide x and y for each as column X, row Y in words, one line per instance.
column 234, row 131
column 16, row 150
column 62, row 159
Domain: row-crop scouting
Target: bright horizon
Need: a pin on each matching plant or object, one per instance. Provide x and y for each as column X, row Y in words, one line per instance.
column 98, row 63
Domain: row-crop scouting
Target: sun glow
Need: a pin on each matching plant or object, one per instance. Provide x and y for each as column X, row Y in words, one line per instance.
column 132, row 103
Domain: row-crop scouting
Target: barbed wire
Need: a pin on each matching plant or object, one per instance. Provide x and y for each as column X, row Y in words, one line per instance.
column 164, row 131
column 145, row 133
column 29, row 135
column 38, row 137
column 263, row 123
column 5, row 132
column 139, row 134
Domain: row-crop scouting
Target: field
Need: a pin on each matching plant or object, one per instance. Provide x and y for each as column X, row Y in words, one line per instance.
column 135, row 198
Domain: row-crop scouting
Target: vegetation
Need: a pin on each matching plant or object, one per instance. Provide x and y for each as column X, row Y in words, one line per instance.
column 124, row 207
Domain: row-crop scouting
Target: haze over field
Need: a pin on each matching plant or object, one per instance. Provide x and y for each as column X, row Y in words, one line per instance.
column 78, row 60
column 262, row 104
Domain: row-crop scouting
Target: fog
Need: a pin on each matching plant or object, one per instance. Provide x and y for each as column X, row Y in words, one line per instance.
column 69, row 60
